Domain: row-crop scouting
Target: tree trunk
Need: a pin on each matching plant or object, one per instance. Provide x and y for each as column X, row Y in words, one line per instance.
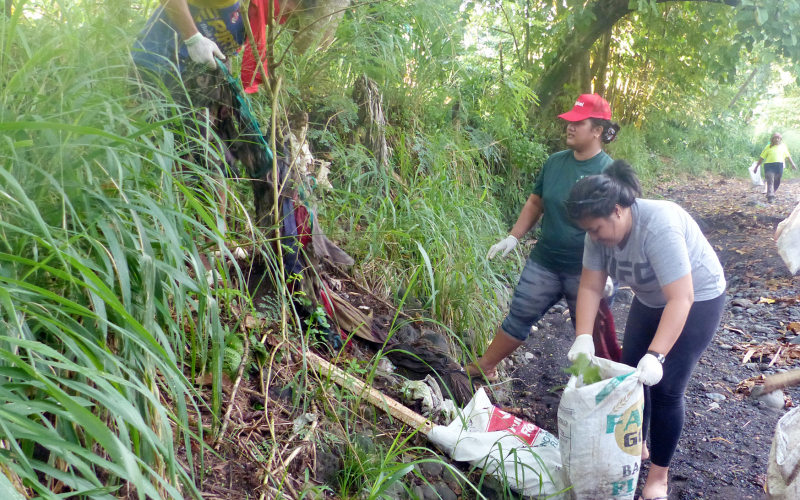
column 600, row 72
column 584, row 73
column 575, row 45
column 743, row 87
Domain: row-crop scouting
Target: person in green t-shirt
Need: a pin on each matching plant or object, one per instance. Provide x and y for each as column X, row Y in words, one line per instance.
column 773, row 157
column 553, row 269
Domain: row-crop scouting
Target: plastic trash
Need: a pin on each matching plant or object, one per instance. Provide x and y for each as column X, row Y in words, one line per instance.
column 755, row 177
column 512, row 450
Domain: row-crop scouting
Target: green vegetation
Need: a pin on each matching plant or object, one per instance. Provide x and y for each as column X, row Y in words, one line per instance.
column 107, row 322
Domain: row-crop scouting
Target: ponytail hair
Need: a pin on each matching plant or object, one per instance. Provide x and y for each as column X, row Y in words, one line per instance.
column 597, row 195
column 610, row 129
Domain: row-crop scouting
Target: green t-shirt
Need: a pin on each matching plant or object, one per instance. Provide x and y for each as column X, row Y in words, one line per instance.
column 560, row 247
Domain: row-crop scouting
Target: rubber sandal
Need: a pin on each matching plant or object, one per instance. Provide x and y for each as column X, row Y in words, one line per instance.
column 663, row 497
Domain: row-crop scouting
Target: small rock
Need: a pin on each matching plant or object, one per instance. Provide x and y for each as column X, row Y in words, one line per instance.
column 452, row 480
column 726, row 347
column 432, row 469
column 444, row 492
column 406, row 333
column 763, row 366
column 328, row 466
column 436, row 339
column 429, row 492
column 396, row 491
column 736, row 310
column 715, row 396
column 418, row 493
column 730, row 379
column 751, row 310
column 795, row 340
column 558, row 309
column 756, row 283
column 772, row 400
column 529, row 356
column 752, row 366
column 714, row 406
column 740, row 302
column 762, row 329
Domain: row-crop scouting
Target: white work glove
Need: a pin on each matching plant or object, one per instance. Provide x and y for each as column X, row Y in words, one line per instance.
column 584, row 344
column 505, row 245
column 651, row 370
column 609, row 289
column 202, row 50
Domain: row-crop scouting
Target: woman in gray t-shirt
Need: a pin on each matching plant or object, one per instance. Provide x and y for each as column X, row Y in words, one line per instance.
column 658, row 250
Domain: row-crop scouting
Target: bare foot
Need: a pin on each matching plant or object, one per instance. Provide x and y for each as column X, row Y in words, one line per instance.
column 657, row 485
column 645, row 453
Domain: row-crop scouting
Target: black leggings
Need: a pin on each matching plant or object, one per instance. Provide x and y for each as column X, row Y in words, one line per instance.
column 664, row 402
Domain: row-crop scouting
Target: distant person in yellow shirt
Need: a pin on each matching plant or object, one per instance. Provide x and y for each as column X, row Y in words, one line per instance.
column 772, row 157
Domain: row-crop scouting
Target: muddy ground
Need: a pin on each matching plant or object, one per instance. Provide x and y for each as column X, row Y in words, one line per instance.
column 725, row 446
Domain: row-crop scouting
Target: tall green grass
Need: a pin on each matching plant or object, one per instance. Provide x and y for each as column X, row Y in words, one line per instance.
column 104, row 319
column 440, row 221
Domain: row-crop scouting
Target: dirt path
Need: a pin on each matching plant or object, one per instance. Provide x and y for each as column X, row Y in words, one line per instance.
column 725, row 446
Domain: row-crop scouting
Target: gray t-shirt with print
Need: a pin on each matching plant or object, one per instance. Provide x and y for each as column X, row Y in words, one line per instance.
column 665, row 244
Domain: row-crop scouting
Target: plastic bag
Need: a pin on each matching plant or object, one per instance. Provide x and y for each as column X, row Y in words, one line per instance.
column 788, row 240
column 783, row 472
column 755, row 177
column 516, row 452
column 600, row 433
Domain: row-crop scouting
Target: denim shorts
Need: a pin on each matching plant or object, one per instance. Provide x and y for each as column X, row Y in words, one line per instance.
column 538, row 290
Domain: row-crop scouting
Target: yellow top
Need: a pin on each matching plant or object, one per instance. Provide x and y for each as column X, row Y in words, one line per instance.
column 775, row 154
column 213, row 4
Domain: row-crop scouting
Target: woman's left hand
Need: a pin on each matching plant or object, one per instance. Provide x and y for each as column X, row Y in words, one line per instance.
column 651, row 370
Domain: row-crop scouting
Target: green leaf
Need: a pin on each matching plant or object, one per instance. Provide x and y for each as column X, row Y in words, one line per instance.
column 761, row 15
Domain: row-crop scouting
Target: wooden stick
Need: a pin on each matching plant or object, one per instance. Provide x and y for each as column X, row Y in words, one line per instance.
column 781, row 381
column 358, row 387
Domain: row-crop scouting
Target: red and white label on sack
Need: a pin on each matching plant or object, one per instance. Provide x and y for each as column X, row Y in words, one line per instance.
column 504, row 421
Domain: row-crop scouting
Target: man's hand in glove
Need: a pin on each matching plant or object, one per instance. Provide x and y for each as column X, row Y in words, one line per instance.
column 506, row 245
column 202, row 50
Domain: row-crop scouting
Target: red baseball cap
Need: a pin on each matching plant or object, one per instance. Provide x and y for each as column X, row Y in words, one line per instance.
column 588, row 106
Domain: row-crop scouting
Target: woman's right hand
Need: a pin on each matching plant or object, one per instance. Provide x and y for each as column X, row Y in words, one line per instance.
column 584, row 344
column 506, row 245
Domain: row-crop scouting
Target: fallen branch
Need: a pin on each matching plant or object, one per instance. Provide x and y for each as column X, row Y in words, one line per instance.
column 781, row 381
column 387, row 404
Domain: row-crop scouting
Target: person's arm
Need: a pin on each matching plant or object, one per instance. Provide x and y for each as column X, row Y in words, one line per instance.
column 789, row 157
column 528, row 217
column 178, row 12
column 680, row 297
column 590, row 292
column 760, row 161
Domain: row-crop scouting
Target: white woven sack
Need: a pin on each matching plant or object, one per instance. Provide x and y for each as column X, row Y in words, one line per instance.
column 783, row 472
column 789, row 240
column 516, row 452
column 600, row 433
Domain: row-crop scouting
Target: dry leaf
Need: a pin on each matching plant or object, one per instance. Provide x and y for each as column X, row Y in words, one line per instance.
column 765, row 300
column 794, row 327
column 748, row 355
